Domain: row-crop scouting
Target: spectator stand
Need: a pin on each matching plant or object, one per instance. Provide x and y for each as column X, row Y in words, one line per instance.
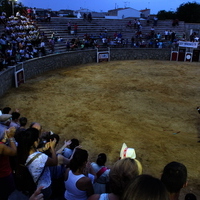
column 103, row 55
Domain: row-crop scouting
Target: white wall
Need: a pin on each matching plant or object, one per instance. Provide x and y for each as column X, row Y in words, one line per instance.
column 112, row 17
column 128, row 13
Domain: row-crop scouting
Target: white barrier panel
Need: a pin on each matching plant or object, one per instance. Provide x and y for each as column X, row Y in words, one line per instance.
column 188, row 44
column 188, row 56
column 19, row 77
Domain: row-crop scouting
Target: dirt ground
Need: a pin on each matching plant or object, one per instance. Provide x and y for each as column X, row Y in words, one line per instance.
column 149, row 105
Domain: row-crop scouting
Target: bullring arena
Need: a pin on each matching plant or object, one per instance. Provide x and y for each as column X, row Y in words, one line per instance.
column 148, row 104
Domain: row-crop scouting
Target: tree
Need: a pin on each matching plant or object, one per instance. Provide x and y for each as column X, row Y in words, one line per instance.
column 6, row 6
column 162, row 15
column 189, row 12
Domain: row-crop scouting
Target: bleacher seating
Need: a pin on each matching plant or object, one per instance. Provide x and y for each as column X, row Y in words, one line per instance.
column 58, row 25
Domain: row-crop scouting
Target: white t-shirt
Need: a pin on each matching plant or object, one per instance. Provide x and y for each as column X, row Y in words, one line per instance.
column 36, row 168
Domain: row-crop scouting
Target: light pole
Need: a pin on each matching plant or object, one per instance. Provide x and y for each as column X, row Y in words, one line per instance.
column 13, row 6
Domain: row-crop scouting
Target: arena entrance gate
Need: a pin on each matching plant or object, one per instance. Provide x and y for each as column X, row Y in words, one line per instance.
column 186, row 51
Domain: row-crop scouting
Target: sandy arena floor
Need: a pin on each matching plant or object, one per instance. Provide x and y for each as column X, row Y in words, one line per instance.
column 149, row 105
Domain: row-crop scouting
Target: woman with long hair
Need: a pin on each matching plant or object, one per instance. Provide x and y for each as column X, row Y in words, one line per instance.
column 146, row 187
column 121, row 174
column 36, row 162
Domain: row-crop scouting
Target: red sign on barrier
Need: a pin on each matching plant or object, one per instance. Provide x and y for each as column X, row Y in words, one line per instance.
column 174, row 55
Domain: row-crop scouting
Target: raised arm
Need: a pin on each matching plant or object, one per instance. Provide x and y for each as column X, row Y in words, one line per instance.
column 10, row 150
column 52, row 161
column 66, row 143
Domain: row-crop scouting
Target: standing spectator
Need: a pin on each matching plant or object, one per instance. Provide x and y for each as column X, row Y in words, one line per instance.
column 5, row 120
column 177, row 22
column 121, row 174
column 29, row 12
column 170, row 35
column 34, row 12
column 146, row 187
column 48, row 17
column 84, row 16
column 75, row 29
column 78, row 184
column 42, row 47
column 7, row 184
column 102, row 174
column 37, row 162
column 174, row 177
column 69, row 27
column 155, row 21
column 22, row 122
column 132, row 41
column 89, row 17
column 166, row 34
column 173, row 36
column 148, row 20
column 15, row 120
column 51, row 45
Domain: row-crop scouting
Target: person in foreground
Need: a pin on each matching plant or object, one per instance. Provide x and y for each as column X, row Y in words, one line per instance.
column 36, row 162
column 146, row 187
column 78, row 184
column 174, row 177
column 37, row 195
column 7, row 184
column 102, row 174
column 121, row 174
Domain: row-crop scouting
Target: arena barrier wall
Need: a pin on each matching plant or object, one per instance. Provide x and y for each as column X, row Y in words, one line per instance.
column 41, row 65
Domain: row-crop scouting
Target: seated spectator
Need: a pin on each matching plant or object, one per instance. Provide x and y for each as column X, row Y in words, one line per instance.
column 7, row 184
column 129, row 24
column 146, row 187
column 102, row 174
column 121, row 174
column 77, row 184
column 174, row 177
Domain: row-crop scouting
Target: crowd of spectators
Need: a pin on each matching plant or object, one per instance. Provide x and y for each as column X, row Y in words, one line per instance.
column 139, row 39
column 66, row 173
column 21, row 40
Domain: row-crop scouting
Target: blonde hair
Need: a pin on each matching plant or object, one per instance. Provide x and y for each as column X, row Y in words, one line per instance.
column 122, row 172
column 146, row 187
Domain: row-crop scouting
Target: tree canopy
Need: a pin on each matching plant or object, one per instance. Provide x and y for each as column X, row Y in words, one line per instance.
column 188, row 12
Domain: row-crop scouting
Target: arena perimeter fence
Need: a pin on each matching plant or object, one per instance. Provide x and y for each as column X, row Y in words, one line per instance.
column 38, row 66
